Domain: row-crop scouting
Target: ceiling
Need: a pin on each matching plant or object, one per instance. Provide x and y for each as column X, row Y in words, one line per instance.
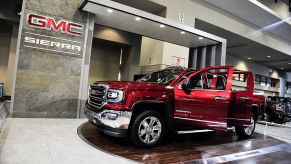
column 147, row 6
column 123, row 17
column 242, row 47
column 258, row 14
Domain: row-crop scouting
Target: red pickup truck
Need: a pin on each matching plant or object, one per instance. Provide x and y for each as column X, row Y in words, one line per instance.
column 174, row 98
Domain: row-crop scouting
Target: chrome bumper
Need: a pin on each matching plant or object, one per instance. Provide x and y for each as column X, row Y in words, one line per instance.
column 110, row 118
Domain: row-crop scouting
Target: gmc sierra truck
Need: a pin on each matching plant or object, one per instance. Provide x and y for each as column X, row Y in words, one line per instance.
column 159, row 103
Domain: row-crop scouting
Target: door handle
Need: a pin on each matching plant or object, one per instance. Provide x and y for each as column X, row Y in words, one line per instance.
column 219, row 98
column 244, row 98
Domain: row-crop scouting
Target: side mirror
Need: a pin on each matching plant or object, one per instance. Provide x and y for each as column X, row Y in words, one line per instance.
column 185, row 85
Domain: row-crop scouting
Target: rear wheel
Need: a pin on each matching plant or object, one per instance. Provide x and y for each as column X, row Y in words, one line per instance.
column 246, row 131
column 148, row 129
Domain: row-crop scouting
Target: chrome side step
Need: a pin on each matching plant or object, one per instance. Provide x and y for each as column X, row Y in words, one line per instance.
column 194, row 131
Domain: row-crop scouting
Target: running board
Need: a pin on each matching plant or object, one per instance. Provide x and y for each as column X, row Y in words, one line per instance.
column 194, row 131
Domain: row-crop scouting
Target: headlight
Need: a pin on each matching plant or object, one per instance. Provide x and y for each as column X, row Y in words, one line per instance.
column 114, row 95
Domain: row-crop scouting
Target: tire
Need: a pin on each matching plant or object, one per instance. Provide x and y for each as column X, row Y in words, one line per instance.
column 147, row 129
column 246, row 132
column 267, row 117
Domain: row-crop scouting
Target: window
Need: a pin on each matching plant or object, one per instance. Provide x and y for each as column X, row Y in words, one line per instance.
column 239, row 77
column 196, row 82
column 187, row 74
column 265, row 81
column 214, row 79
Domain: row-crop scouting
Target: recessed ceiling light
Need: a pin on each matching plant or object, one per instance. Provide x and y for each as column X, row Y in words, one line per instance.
column 138, row 18
column 200, row 38
column 282, row 68
column 249, row 58
column 162, row 26
column 182, row 32
column 109, row 10
column 268, row 56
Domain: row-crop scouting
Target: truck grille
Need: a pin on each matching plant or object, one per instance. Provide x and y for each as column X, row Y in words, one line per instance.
column 97, row 95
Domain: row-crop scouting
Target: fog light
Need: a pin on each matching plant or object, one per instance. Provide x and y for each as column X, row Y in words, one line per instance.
column 109, row 115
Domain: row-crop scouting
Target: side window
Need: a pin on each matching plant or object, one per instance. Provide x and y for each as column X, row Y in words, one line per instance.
column 220, row 82
column 239, row 86
column 184, row 77
column 196, row 82
column 213, row 79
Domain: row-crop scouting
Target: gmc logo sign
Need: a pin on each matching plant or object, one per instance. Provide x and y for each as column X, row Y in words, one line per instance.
column 48, row 23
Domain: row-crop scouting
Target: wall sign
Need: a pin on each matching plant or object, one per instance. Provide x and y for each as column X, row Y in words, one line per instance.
column 44, row 22
column 178, row 61
column 54, row 35
column 181, row 18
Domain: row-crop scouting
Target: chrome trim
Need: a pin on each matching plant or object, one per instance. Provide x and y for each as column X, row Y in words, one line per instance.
column 215, row 122
column 239, row 119
column 104, row 100
column 183, row 111
column 194, row 131
column 121, row 122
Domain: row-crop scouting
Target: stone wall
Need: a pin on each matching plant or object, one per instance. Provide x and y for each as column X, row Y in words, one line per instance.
column 48, row 81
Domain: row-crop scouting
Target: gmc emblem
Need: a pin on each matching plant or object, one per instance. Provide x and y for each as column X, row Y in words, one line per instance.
column 48, row 23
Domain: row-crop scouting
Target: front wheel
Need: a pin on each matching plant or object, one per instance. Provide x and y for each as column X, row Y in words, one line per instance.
column 148, row 129
column 246, row 131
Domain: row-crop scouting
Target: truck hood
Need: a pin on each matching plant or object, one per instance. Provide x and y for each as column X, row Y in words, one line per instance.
column 132, row 85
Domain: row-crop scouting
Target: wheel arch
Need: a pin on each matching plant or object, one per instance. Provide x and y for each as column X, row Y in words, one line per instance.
column 255, row 110
column 161, row 106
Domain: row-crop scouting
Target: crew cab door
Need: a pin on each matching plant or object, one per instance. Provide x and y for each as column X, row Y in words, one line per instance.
column 205, row 101
column 241, row 109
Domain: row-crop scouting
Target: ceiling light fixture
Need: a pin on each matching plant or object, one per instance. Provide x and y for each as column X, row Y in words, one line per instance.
column 268, row 56
column 182, row 32
column 138, row 18
column 109, row 10
column 162, row 26
column 282, row 68
column 200, row 38
column 249, row 58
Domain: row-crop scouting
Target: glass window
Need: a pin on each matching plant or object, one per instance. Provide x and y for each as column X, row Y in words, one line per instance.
column 195, row 82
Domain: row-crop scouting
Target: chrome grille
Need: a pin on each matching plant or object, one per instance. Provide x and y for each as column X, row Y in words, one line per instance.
column 97, row 95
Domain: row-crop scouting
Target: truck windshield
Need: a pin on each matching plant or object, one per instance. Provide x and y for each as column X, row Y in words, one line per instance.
column 163, row 77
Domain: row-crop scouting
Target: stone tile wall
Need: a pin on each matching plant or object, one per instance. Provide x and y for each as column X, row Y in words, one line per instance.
column 47, row 82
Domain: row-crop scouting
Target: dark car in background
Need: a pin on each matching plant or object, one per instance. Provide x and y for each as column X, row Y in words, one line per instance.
column 278, row 109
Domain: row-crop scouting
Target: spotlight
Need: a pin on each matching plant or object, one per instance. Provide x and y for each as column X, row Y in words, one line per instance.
column 182, row 32
column 162, row 26
column 138, row 18
column 268, row 56
column 109, row 10
column 200, row 38
column 249, row 58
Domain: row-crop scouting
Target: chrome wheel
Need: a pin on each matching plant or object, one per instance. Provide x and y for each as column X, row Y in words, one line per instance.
column 249, row 130
column 149, row 130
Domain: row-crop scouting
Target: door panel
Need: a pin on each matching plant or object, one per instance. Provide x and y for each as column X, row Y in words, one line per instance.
column 206, row 108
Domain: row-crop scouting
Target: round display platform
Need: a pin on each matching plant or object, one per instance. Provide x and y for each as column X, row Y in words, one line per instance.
column 198, row 147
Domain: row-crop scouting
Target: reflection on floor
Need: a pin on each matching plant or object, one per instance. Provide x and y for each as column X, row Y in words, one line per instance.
column 55, row 141
column 192, row 147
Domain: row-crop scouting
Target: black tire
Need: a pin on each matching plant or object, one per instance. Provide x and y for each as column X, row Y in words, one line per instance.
column 137, row 126
column 267, row 117
column 245, row 132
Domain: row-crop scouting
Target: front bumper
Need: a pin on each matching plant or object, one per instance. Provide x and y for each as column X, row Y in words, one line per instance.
column 113, row 123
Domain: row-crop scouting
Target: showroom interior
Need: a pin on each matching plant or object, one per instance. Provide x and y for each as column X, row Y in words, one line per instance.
column 52, row 51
